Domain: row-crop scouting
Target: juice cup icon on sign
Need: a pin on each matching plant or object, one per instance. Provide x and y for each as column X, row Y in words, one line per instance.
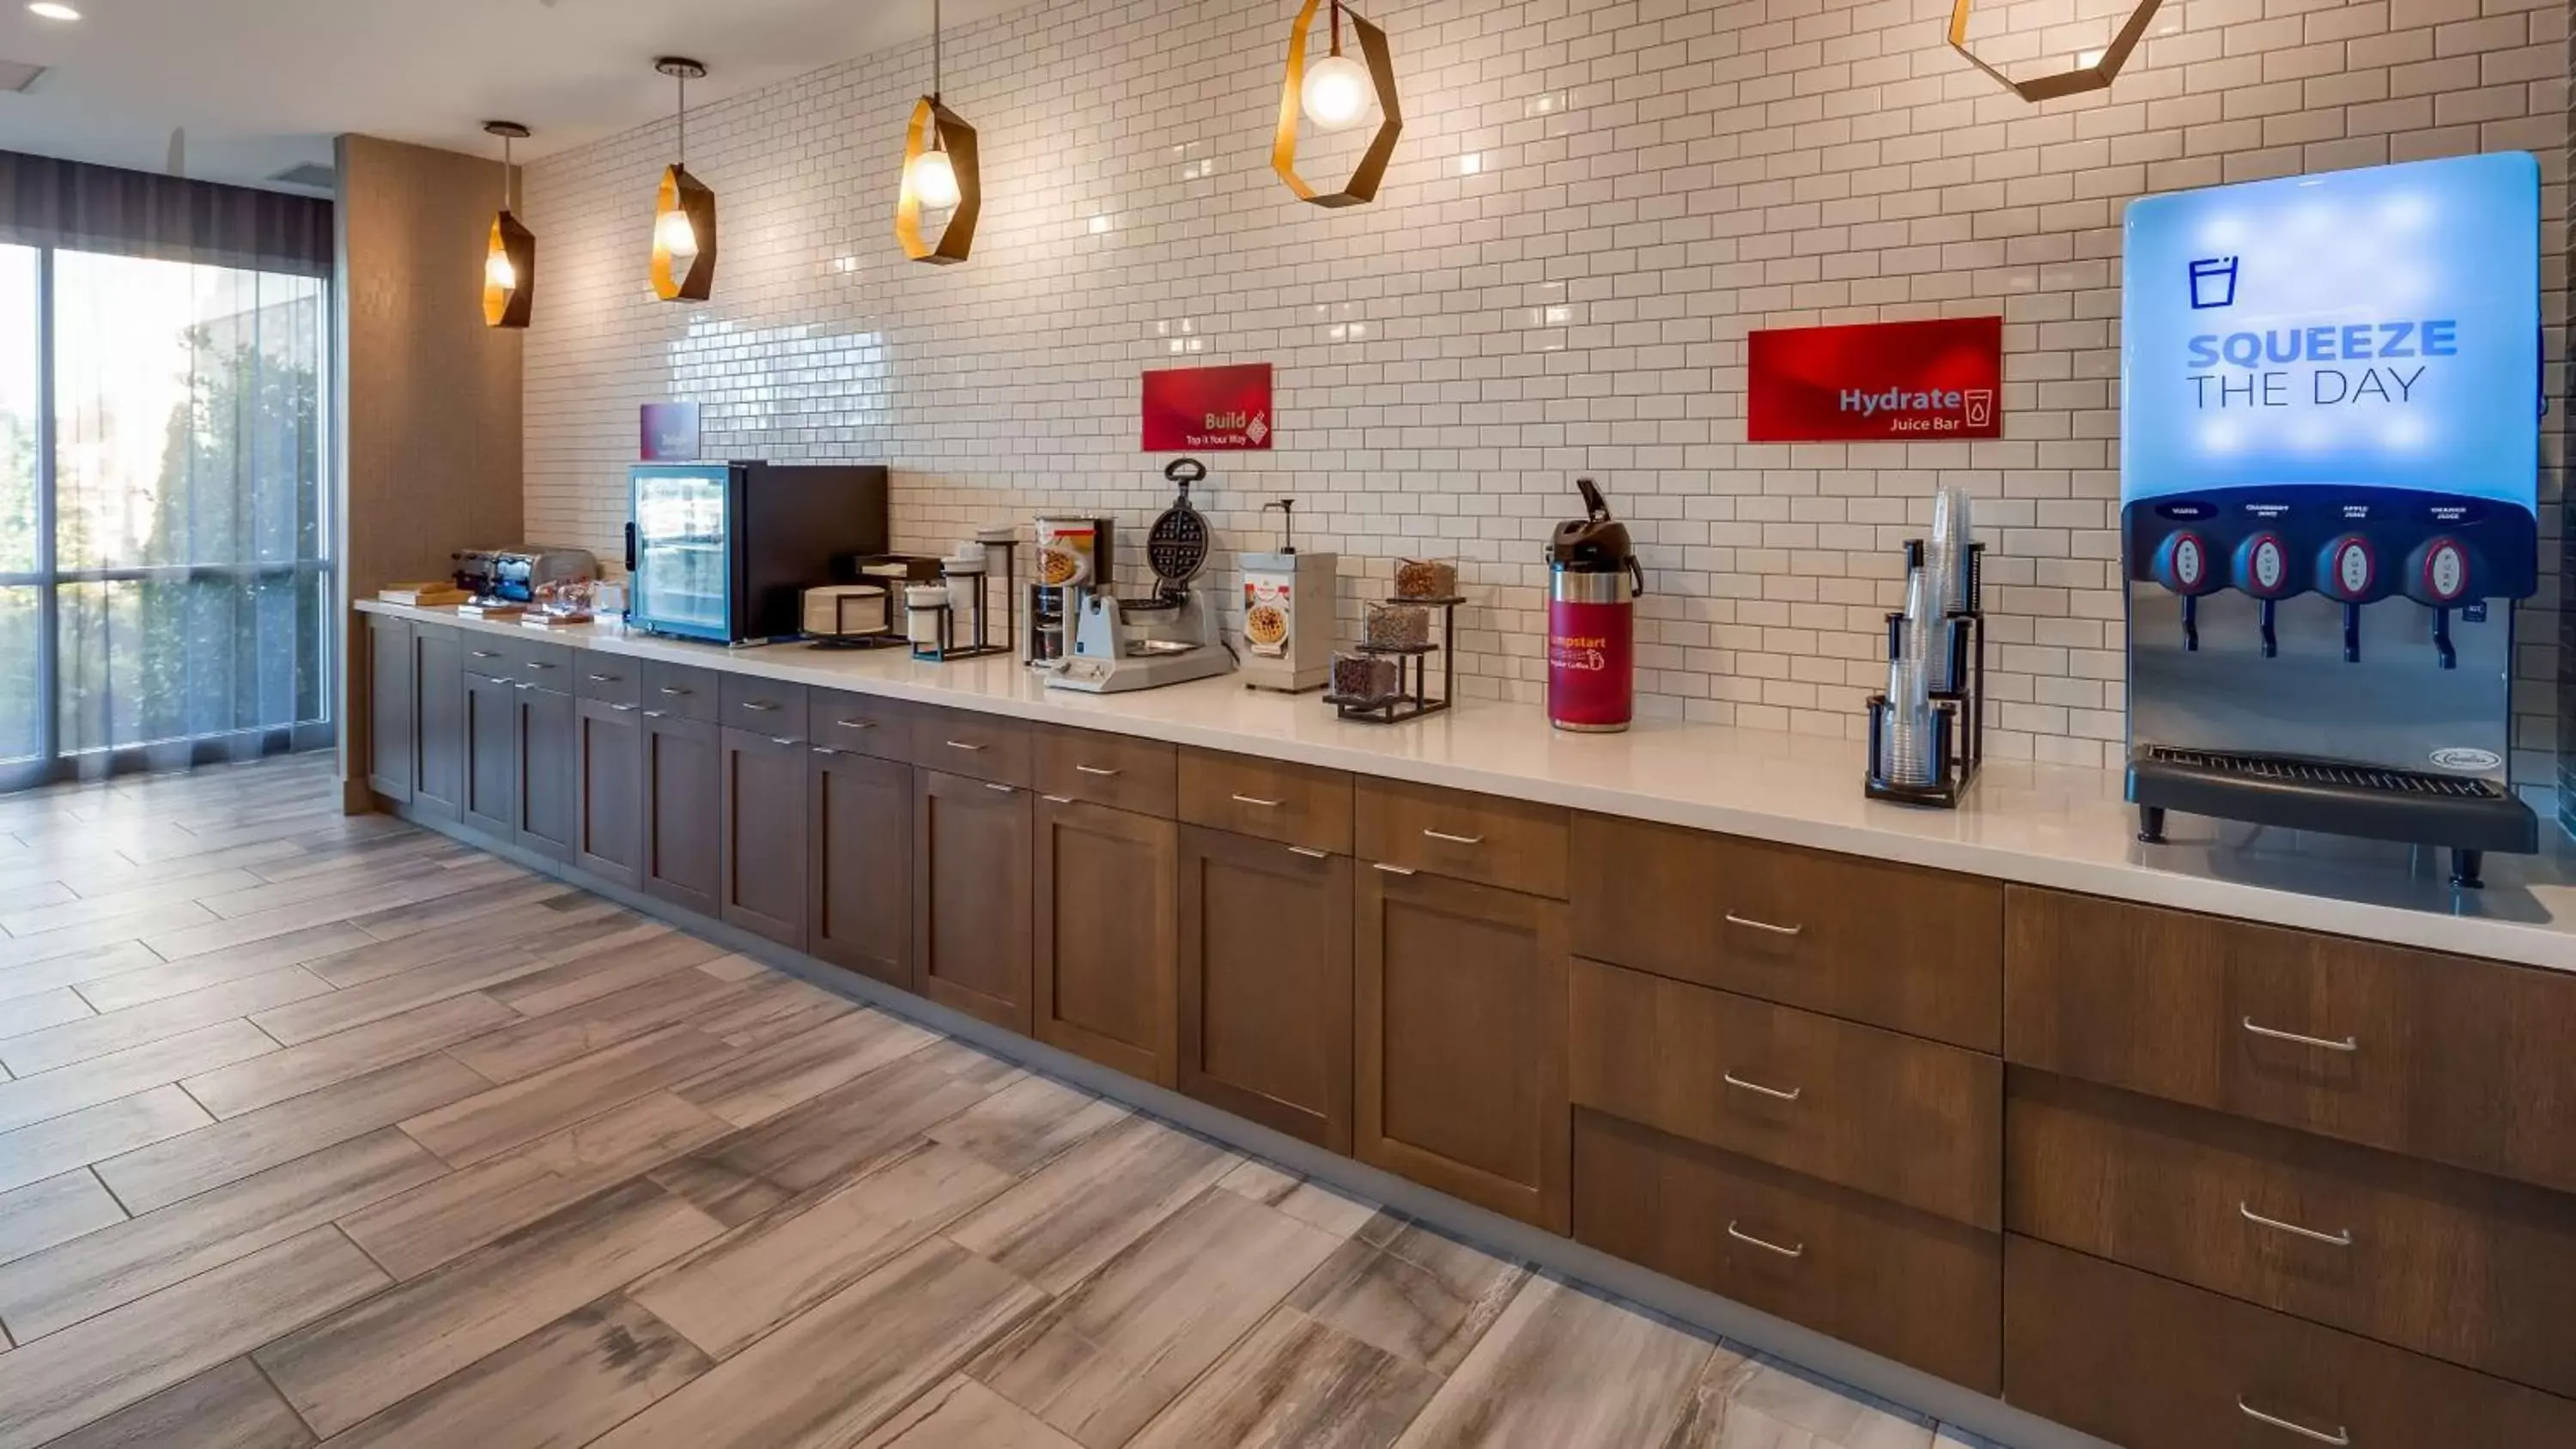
column 1980, row 406
column 2213, row 283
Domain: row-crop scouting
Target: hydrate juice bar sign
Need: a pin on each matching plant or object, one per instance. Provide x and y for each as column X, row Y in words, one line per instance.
column 2355, row 329
column 1199, row 409
column 1876, row 382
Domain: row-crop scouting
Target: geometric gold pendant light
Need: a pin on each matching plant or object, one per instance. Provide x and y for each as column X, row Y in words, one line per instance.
column 939, row 171
column 2093, row 76
column 1333, row 93
column 510, row 253
column 684, row 211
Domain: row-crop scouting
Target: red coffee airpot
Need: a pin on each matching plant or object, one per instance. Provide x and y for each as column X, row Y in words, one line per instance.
column 1592, row 589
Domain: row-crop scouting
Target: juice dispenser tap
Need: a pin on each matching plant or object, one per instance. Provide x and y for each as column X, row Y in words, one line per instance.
column 2182, row 566
column 2348, row 572
column 2263, row 570
column 2439, row 577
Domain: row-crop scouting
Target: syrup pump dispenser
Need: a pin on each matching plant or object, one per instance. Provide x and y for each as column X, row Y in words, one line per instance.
column 1287, row 612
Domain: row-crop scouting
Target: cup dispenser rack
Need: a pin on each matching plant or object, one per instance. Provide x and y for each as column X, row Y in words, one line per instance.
column 1956, row 691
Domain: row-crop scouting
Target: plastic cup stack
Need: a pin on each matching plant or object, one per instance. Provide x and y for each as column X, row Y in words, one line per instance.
column 1947, row 558
column 1907, row 740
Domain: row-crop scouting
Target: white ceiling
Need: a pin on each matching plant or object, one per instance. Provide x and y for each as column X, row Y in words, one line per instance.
column 261, row 85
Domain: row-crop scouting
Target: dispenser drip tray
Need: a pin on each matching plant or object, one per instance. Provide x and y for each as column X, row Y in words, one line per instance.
column 2463, row 814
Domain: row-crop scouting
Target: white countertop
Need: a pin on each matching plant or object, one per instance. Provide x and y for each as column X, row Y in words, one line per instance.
column 2037, row 824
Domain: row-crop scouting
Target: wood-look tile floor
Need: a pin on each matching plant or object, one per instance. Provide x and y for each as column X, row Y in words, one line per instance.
column 330, row 1130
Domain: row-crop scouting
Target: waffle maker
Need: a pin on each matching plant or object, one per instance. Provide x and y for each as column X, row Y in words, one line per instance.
column 1171, row 638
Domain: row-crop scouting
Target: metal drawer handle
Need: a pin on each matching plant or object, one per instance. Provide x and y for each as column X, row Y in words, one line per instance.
column 1057, row 799
column 675, row 691
column 654, row 713
column 1093, row 770
column 1391, row 869
column 2341, row 1435
column 1005, row 789
column 2339, row 1240
column 1256, row 800
column 825, row 750
column 604, row 678
column 1432, row 834
column 1742, row 1236
column 858, row 724
column 487, row 653
column 1310, row 852
column 623, row 708
column 1791, row 1095
column 1750, row 924
column 539, row 664
column 759, row 706
column 785, row 740
column 2348, row 1044
column 972, row 749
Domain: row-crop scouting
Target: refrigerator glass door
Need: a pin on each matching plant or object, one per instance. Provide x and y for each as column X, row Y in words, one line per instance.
column 682, row 553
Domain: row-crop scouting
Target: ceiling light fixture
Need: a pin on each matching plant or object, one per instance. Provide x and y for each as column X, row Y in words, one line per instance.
column 1334, row 93
column 939, row 172
column 2093, row 69
column 510, row 257
column 53, row 10
column 684, row 212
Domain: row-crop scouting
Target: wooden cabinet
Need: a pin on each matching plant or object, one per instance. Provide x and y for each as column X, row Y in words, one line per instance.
column 973, row 841
column 858, row 879
column 862, row 724
column 549, row 785
column 490, row 732
column 608, row 827
column 2458, row 1265
column 612, row 678
column 683, row 809
column 762, row 862
column 1120, row 771
column 438, row 721
column 1911, row 1120
column 1514, row 844
column 2152, row 1364
column 1461, row 1041
column 2441, row 1057
column 1921, row 1289
column 1102, row 951
column 1272, row 799
column 977, row 746
column 1264, row 977
column 762, row 706
column 680, row 691
column 391, row 704
column 1916, row 951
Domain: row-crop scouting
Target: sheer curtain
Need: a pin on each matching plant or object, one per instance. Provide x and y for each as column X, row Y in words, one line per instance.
column 163, row 564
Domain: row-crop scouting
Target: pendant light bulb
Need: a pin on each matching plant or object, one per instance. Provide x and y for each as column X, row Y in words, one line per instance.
column 498, row 272
column 1337, row 92
column 676, row 239
column 934, row 180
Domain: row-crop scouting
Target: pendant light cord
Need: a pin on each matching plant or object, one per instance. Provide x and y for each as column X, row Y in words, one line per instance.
column 505, row 173
column 935, row 57
column 1337, row 27
column 683, row 82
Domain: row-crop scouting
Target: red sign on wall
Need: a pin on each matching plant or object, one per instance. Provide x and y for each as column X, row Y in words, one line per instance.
column 1876, row 381
column 1203, row 408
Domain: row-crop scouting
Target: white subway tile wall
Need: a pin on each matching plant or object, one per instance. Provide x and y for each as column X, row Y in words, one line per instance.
column 1591, row 205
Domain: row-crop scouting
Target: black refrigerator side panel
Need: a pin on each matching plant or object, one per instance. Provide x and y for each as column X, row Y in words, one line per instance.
column 795, row 521
column 742, row 606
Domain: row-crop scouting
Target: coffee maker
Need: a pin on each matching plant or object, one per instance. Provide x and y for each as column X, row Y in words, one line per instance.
column 2329, row 468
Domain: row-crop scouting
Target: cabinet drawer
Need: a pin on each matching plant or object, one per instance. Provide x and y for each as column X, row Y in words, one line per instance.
column 1784, row 924
column 537, row 662
column 1119, row 771
column 2454, row 1264
column 2458, row 1060
column 609, row 678
column 859, row 724
column 1292, row 804
column 978, row 746
column 1903, row 1118
column 680, row 691
column 1919, row 1289
column 487, row 654
column 763, row 706
column 2152, row 1364
column 1486, row 838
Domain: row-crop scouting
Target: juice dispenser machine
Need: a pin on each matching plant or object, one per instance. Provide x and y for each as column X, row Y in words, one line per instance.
column 2328, row 481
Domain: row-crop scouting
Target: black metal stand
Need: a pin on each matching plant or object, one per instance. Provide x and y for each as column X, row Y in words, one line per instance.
column 1958, row 711
column 948, row 650
column 1414, row 698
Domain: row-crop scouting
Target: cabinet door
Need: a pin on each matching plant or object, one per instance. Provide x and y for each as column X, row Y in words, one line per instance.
column 1265, row 982
column 1462, row 1041
column 858, row 880
column 549, row 772
column 682, row 799
column 1103, row 924
column 762, row 863
column 608, row 830
column 972, row 840
column 390, row 707
column 491, row 735
column 438, row 722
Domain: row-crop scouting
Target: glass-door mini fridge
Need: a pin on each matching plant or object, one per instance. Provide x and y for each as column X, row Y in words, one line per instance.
column 725, row 551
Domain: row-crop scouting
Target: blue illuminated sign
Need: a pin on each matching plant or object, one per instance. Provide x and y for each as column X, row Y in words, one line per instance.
column 2364, row 329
